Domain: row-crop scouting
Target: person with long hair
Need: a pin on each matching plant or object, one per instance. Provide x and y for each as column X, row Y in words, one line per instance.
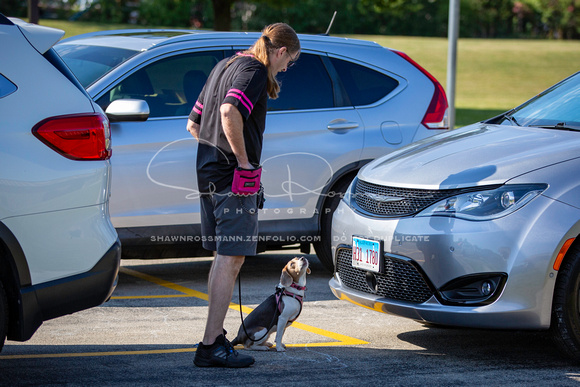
column 228, row 120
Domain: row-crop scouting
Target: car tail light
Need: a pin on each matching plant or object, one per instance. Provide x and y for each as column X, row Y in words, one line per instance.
column 77, row 137
column 436, row 116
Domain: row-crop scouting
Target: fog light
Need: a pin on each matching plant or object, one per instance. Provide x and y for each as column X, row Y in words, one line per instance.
column 473, row 290
column 486, row 288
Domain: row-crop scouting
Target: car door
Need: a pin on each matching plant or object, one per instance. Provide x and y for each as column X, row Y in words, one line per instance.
column 154, row 180
column 311, row 135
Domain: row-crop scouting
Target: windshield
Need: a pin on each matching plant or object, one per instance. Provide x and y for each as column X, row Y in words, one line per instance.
column 557, row 107
column 90, row 63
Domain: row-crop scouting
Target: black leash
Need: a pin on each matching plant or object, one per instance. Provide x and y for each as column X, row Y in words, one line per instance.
column 278, row 289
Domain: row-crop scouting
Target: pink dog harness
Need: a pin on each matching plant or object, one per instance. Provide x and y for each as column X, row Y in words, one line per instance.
column 282, row 291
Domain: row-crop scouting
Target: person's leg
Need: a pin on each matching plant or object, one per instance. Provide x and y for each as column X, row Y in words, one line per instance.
column 222, row 279
column 234, row 221
column 215, row 350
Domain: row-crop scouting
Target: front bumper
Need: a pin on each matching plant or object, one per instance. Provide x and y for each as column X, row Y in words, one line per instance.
column 444, row 249
column 434, row 312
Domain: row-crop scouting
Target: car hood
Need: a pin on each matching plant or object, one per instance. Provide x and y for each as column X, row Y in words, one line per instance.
column 475, row 155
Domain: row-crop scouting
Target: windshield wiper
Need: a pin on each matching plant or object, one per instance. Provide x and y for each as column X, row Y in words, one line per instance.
column 559, row 125
column 512, row 119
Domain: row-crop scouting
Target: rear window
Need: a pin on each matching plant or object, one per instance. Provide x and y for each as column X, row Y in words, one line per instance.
column 6, row 86
column 363, row 85
column 90, row 63
column 61, row 66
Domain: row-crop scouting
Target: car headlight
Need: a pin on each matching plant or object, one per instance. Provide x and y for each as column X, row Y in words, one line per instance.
column 487, row 204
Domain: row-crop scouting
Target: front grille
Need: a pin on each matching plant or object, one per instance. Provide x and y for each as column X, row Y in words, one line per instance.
column 391, row 201
column 400, row 280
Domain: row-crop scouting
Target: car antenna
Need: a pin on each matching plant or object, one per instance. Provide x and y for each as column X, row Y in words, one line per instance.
column 330, row 25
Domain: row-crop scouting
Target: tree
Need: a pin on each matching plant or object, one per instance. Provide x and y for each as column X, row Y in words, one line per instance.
column 222, row 15
column 33, row 12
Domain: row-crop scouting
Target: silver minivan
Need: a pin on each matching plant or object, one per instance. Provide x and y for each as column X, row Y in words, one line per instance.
column 345, row 103
column 477, row 227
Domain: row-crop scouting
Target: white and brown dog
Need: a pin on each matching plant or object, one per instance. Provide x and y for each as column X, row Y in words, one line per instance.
column 278, row 311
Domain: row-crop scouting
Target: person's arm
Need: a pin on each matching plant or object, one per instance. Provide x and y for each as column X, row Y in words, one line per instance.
column 193, row 128
column 233, row 125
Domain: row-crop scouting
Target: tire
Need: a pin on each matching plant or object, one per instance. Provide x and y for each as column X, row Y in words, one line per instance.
column 3, row 316
column 322, row 248
column 565, row 323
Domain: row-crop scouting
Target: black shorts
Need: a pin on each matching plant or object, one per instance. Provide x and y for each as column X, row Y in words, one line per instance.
column 229, row 223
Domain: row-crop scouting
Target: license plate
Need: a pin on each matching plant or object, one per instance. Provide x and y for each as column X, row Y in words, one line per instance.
column 367, row 254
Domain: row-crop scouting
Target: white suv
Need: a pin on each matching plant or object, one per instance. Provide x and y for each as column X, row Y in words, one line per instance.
column 59, row 252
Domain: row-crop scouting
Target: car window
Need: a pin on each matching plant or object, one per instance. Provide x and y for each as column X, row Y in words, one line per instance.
column 306, row 85
column 363, row 85
column 170, row 86
column 89, row 63
column 6, row 86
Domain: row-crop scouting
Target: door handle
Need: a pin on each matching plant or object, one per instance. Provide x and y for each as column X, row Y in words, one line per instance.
column 342, row 125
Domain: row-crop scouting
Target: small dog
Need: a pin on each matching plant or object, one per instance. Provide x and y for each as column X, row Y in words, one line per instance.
column 278, row 311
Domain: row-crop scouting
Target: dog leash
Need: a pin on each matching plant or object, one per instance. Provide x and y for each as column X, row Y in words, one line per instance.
column 278, row 289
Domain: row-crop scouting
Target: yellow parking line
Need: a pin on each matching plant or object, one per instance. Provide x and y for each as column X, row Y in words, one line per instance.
column 149, row 352
column 91, row 354
column 187, row 292
column 166, row 284
column 341, row 339
column 154, row 296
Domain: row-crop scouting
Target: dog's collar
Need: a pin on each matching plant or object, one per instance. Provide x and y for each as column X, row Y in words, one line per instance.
column 297, row 287
column 294, row 285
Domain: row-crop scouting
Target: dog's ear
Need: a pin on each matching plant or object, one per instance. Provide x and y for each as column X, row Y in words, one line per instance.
column 308, row 271
column 286, row 278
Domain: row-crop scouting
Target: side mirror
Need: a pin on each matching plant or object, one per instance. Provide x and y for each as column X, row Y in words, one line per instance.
column 128, row 110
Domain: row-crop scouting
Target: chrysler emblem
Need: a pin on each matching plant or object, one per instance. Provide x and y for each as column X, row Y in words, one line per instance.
column 383, row 198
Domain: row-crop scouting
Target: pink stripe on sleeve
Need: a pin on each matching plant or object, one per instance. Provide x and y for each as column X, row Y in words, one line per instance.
column 244, row 96
column 241, row 100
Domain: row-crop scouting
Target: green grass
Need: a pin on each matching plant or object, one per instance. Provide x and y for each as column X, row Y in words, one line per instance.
column 492, row 75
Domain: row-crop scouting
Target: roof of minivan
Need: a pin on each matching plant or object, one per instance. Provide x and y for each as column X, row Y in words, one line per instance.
column 145, row 39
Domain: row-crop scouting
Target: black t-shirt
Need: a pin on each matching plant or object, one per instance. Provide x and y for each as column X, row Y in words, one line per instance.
column 242, row 84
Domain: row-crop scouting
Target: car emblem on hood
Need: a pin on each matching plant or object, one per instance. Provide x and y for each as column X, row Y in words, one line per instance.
column 383, row 198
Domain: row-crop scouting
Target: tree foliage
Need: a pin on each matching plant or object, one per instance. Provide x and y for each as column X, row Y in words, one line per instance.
column 479, row 18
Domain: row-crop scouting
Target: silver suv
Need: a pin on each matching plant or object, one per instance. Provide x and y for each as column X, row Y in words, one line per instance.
column 59, row 252
column 345, row 103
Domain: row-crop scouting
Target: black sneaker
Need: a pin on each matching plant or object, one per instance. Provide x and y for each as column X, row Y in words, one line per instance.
column 220, row 354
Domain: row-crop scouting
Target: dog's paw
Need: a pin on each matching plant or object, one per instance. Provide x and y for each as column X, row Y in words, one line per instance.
column 268, row 344
column 281, row 348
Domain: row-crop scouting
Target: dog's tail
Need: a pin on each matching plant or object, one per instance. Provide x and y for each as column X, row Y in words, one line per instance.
column 236, row 341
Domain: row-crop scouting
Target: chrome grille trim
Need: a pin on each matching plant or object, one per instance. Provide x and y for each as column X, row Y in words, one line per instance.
column 386, row 201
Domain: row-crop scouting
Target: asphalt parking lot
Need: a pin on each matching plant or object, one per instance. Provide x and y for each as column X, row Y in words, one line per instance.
column 147, row 335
